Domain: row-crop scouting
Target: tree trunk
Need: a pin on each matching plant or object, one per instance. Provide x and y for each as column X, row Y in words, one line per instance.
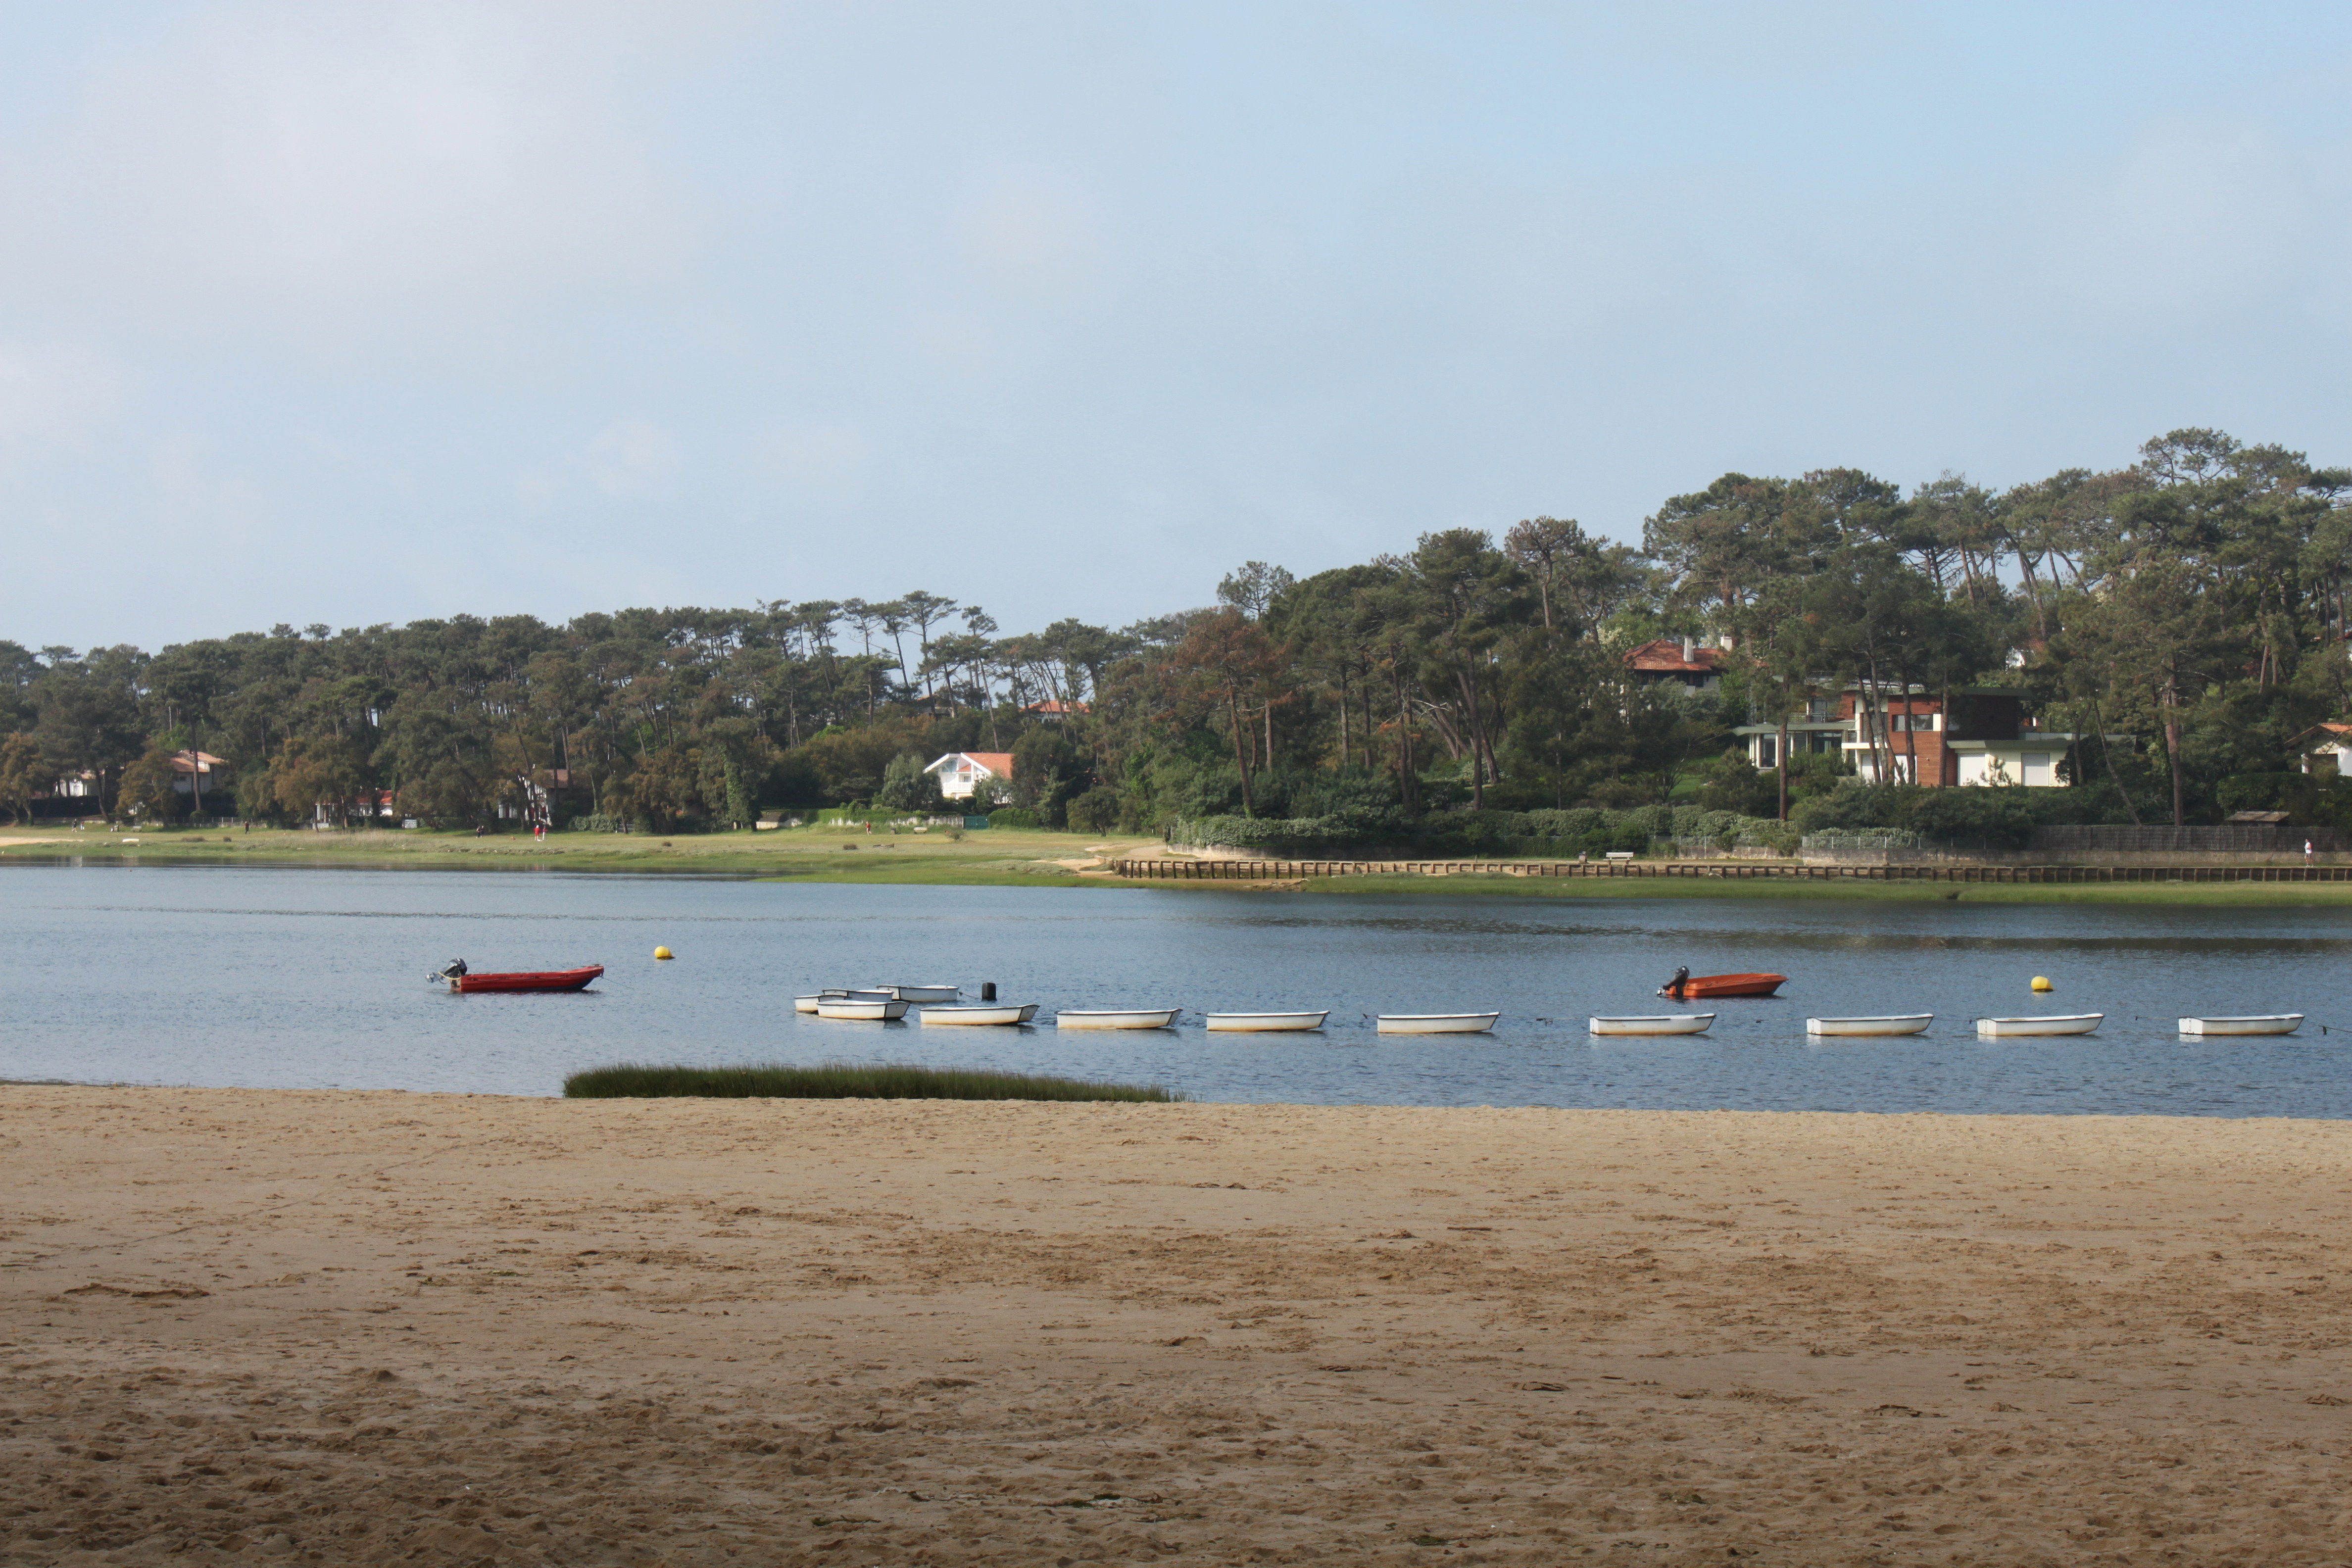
column 1405, row 779
column 1781, row 757
column 2108, row 752
column 1467, row 681
column 2172, row 745
column 1344, row 748
column 1233, row 706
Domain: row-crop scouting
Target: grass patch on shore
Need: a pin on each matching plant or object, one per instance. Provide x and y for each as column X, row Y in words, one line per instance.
column 1005, row 857
column 844, row 1080
column 1020, row 858
column 2226, row 895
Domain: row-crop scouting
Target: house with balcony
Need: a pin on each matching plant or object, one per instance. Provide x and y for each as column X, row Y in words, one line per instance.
column 1982, row 736
column 961, row 773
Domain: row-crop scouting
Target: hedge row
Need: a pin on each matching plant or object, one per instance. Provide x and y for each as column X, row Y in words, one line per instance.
column 1582, row 830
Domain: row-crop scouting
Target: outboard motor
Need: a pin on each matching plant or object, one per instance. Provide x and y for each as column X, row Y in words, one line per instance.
column 457, row 967
column 1673, row 987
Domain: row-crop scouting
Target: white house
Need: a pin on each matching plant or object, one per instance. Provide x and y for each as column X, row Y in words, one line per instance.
column 2326, row 748
column 960, row 773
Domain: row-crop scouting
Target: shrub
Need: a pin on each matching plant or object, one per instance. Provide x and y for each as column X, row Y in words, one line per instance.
column 1100, row 810
column 1014, row 817
column 1995, row 819
column 842, row 1080
column 907, row 787
column 1854, row 803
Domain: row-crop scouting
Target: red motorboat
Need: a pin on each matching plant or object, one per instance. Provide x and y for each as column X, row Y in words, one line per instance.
column 464, row 982
column 1689, row 987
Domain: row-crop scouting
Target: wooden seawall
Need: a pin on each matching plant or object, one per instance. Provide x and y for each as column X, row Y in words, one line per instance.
column 1144, row 870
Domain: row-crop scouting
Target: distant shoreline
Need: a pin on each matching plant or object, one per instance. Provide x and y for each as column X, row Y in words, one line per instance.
column 1017, row 858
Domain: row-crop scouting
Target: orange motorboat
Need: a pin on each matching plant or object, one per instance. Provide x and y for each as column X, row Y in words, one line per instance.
column 1689, row 987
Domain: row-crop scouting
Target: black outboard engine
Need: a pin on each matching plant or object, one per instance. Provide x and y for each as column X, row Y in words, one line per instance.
column 457, row 967
column 1673, row 987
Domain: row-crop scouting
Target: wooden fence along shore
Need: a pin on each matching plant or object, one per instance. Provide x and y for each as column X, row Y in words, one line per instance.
column 1263, row 871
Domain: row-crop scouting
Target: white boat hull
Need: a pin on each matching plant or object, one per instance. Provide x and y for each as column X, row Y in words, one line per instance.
column 920, row 995
column 864, row 1012
column 1848, row 1028
column 1264, row 1023
column 2058, row 1024
column 2263, row 1024
column 983, row 1013
column 1125, row 1018
column 811, row 1003
column 1668, row 1024
column 1436, row 1023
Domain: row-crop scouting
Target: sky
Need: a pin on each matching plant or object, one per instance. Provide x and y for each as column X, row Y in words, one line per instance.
column 357, row 313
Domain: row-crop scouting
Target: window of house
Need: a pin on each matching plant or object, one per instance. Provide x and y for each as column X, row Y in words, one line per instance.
column 1767, row 754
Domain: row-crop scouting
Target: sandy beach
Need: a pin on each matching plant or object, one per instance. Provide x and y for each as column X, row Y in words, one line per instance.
column 394, row 1328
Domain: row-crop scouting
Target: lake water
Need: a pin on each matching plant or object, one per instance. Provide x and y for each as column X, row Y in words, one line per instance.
column 236, row 976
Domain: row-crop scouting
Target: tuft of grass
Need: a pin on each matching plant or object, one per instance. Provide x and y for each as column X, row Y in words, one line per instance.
column 844, row 1080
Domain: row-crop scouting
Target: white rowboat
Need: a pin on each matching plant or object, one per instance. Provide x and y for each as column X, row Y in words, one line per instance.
column 1264, row 1023
column 2056, row 1024
column 1895, row 1024
column 921, row 994
column 982, row 1013
column 2257, row 1024
column 1436, row 1023
column 811, row 1003
column 1117, row 1018
column 1666, row 1024
column 881, row 1010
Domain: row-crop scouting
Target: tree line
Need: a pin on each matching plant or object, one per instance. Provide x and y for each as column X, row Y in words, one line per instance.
column 2186, row 614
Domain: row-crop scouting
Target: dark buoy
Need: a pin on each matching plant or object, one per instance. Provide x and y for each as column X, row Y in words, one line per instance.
column 988, row 990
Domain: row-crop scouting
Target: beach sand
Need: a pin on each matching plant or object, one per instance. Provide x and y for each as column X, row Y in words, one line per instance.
column 413, row 1329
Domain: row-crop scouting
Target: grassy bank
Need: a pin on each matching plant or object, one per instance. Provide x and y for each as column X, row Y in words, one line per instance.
column 983, row 857
column 841, row 1080
column 1014, row 858
column 2245, row 895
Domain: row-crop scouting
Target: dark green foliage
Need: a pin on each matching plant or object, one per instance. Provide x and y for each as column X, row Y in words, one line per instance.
column 1974, row 817
column 842, row 1080
column 906, row 787
column 1013, row 816
column 2310, row 800
column 1100, row 810
column 2187, row 613
column 1579, row 830
column 1988, row 818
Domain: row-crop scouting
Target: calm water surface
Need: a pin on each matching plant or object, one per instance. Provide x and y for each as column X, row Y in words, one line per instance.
column 263, row 977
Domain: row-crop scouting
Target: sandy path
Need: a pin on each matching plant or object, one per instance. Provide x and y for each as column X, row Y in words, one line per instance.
column 376, row 1329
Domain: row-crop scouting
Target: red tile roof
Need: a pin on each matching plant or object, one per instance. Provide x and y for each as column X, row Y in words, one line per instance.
column 1664, row 656
column 998, row 764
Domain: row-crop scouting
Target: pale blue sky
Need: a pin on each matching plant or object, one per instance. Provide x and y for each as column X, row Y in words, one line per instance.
column 346, row 314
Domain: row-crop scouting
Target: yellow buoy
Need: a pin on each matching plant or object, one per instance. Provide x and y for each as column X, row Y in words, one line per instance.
column 2042, row 983
column 665, row 953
